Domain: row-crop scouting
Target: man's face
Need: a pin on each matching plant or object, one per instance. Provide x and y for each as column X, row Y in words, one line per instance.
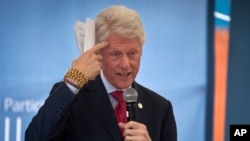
column 121, row 61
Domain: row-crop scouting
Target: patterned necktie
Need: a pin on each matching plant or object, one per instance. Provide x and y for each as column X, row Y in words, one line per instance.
column 120, row 108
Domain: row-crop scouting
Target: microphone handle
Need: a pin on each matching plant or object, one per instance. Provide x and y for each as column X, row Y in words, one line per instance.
column 131, row 115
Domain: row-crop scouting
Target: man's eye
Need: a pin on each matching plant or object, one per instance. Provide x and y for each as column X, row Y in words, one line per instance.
column 114, row 55
column 132, row 54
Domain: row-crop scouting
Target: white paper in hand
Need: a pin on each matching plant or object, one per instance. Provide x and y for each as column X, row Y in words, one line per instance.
column 85, row 34
column 80, row 35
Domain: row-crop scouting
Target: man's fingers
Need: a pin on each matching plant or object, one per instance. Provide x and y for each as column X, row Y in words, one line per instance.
column 99, row 46
column 121, row 125
column 134, row 125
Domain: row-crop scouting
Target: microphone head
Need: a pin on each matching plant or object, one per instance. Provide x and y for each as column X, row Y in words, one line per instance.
column 130, row 95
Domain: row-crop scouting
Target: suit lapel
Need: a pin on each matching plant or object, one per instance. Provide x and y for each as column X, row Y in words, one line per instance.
column 99, row 100
column 140, row 104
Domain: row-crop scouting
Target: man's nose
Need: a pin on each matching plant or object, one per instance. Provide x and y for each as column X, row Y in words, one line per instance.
column 124, row 62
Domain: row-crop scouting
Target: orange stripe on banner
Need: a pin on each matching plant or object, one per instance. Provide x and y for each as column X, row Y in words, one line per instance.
column 221, row 63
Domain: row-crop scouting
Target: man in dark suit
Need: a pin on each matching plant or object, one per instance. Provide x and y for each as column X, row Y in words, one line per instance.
column 82, row 106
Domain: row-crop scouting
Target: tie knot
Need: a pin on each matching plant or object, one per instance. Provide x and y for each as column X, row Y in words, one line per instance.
column 118, row 95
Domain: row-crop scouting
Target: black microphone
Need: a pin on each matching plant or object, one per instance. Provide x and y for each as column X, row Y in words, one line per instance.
column 130, row 96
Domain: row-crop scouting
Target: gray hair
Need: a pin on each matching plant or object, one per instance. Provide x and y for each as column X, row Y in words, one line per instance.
column 120, row 20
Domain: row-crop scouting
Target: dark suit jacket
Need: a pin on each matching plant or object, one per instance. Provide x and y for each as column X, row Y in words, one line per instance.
column 89, row 116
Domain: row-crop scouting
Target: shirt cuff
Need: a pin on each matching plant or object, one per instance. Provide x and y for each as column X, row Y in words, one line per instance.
column 72, row 88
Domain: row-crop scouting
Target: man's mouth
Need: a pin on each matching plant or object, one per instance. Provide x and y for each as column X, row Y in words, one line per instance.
column 124, row 75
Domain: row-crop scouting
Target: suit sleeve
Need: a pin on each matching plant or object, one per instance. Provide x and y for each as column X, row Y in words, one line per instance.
column 49, row 115
column 169, row 129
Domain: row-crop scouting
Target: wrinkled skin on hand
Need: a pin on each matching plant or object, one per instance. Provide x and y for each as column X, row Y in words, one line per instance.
column 89, row 62
column 135, row 131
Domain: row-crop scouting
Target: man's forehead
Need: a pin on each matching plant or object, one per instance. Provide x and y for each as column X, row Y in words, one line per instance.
column 117, row 38
column 119, row 41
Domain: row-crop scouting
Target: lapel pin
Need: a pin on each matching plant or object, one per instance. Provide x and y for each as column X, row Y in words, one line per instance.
column 140, row 106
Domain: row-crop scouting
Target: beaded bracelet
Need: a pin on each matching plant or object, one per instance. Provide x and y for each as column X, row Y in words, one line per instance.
column 77, row 76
